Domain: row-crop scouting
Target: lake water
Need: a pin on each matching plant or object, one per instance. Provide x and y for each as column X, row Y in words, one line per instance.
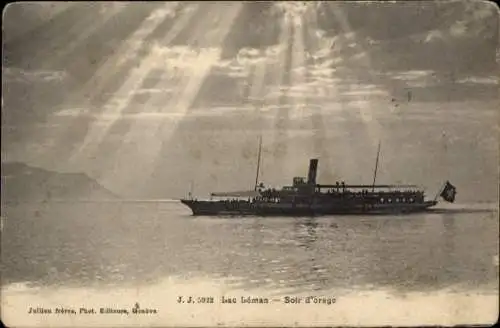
column 106, row 254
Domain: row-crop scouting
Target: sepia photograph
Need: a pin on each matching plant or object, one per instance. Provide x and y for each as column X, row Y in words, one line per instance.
column 250, row 163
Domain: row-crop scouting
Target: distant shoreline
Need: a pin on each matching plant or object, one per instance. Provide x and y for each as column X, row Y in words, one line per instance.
column 91, row 201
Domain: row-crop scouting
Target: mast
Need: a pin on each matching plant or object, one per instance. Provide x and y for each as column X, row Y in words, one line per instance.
column 191, row 190
column 258, row 163
column 376, row 167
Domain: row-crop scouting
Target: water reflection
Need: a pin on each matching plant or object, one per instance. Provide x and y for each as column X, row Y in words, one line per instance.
column 306, row 233
column 314, row 272
column 131, row 244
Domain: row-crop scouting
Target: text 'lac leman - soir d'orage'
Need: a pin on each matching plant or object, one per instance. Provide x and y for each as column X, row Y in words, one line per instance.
column 256, row 300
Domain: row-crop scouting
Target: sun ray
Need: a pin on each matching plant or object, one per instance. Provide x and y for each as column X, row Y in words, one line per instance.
column 190, row 84
column 257, row 84
column 82, row 99
column 48, row 16
column 280, row 69
column 127, row 51
column 141, row 136
column 114, row 108
column 316, row 113
column 73, row 29
column 82, row 34
column 298, row 70
column 260, row 70
column 257, row 91
column 332, row 151
column 282, row 89
column 300, row 93
column 112, row 112
column 150, row 141
column 294, row 99
column 370, row 111
column 373, row 126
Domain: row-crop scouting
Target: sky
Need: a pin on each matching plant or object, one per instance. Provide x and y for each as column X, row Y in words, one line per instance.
column 151, row 98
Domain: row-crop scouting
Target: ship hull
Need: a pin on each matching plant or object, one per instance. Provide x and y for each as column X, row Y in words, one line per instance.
column 221, row 208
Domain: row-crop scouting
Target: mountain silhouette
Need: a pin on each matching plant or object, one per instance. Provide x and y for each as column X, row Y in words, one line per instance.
column 21, row 182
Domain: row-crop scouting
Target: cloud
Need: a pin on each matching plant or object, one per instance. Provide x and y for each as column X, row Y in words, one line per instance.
column 251, row 56
column 415, row 78
column 458, row 29
column 322, row 70
column 154, row 115
column 294, row 11
column 11, row 74
column 72, row 112
column 411, row 75
column 324, row 81
column 433, row 35
column 153, row 91
column 366, row 92
column 422, row 78
column 485, row 80
column 360, row 55
column 169, row 11
column 184, row 58
column 315, row 90
column 372, row 41
column 107, row 7
column 325, row 45
column 246, row 58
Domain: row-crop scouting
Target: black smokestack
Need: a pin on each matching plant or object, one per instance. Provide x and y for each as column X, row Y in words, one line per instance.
column 313, row 168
